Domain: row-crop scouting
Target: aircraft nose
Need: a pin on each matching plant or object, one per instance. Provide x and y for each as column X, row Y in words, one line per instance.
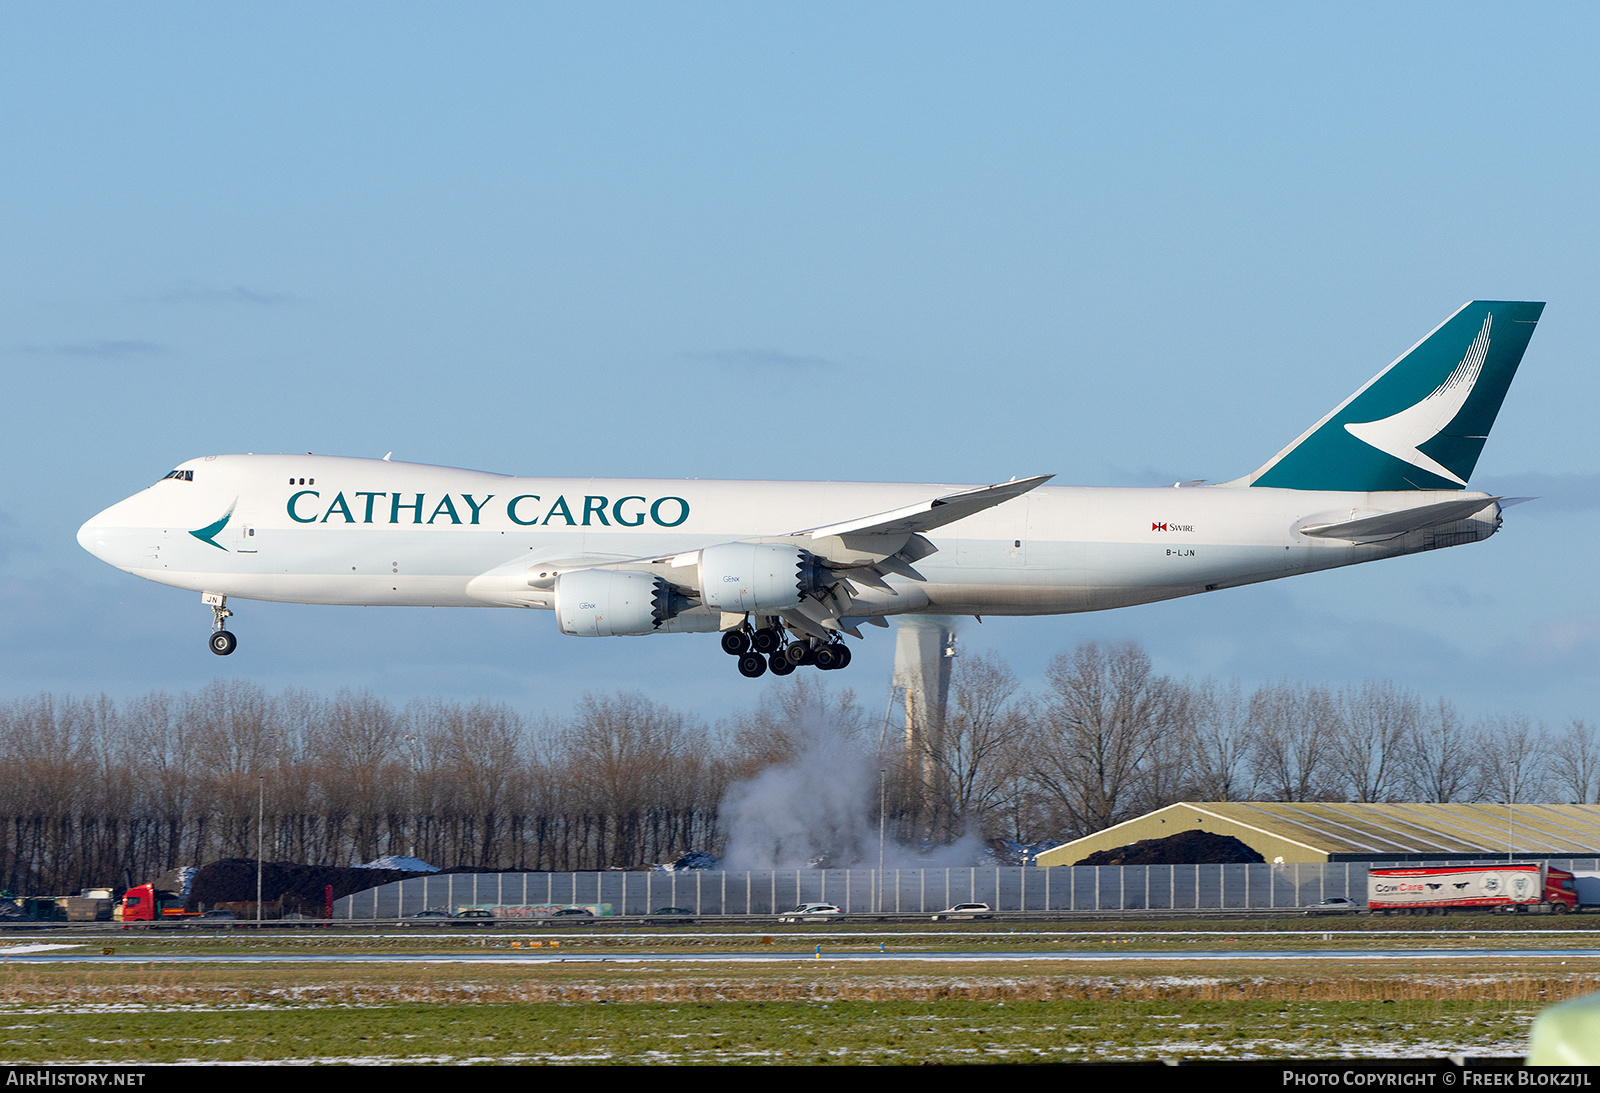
column 88, row 535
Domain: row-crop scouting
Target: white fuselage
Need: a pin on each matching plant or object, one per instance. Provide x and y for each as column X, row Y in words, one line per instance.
column 333, row 530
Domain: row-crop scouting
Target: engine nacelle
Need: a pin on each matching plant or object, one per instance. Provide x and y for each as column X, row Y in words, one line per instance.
column 756, row 577
column 604, row 603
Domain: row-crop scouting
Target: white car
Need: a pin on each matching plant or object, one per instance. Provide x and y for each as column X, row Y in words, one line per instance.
column 807, row 911
column 963, row 912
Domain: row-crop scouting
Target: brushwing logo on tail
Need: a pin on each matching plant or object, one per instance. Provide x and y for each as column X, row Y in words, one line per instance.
column 1402, row 435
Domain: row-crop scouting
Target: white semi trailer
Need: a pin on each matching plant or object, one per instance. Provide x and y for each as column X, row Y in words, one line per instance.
column 1514, row 886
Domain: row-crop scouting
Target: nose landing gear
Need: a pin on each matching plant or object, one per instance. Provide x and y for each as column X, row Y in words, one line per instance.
column 222, row 641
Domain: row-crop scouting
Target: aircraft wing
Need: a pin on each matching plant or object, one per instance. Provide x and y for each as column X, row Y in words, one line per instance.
column 527, row 579
column 1388, row 525
column 856, row 553
column 932, row 513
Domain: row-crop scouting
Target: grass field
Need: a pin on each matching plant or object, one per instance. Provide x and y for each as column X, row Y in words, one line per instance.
column 146, row 1007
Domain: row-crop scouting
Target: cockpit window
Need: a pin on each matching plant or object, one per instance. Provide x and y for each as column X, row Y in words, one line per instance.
column 181, row 476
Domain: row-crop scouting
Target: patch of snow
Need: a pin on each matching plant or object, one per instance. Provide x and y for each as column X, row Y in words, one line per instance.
column 399, row 861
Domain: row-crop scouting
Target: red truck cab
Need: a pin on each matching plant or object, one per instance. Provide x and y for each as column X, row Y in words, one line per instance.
column 145, row 904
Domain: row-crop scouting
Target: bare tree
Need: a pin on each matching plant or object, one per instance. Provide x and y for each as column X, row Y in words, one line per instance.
column 981, row 736
column 639, row 772
column 172, row 775
column 1575, row 763
column 354, row 741
column 1167, row 774
column 50, row 773
column 480, row 750
column 1443, row 757
column 1104, row 717
column 1223, row 744
column 1513, row 750
column 1293, row 728
column 1372, row 727
column 235, row 728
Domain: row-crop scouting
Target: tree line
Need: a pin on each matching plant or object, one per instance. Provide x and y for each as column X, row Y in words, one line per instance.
column 96, row 792
column 1107, row 739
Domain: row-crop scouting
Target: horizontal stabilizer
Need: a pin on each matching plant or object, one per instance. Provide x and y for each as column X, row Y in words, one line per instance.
column 933, row 513
column 1387, row 525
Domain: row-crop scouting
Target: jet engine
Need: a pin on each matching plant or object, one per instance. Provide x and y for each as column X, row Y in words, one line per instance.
column 603, row 603
column 760, row 578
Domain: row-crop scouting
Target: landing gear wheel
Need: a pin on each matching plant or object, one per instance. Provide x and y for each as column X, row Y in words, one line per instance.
column 842, row 652
column 752, row 665
column 780, row 664
column 767, row 640
column 828, row 658
column 797, row 653
column 735, row 642
column 223, row 643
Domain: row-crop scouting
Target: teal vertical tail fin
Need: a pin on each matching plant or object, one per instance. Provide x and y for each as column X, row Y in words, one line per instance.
column 1419, row 424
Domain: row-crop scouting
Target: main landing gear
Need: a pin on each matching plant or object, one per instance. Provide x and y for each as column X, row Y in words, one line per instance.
column 222, row 641
column 769, row 647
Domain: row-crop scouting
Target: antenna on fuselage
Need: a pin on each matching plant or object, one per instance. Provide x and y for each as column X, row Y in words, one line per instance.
column 386, row 457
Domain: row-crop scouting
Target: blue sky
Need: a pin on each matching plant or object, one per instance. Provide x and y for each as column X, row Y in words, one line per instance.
column 1125, row 245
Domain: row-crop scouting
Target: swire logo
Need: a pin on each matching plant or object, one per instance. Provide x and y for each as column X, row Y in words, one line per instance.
column 1164, row 526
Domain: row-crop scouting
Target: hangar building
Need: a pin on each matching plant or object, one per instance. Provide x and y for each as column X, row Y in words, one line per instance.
column 1329, row 832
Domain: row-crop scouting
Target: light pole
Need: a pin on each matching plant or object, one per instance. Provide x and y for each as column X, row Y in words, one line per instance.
column 411, row 750
column 261, row 823
column 883, row 782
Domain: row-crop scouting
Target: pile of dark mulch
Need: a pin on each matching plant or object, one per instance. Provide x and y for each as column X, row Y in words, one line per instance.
column 232, row 880
column 1184, row 848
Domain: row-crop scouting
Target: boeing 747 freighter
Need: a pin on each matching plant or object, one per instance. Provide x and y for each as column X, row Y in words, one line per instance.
column 782, row 569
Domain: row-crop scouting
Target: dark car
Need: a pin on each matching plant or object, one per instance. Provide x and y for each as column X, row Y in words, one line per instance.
column 671, row 916
column 1335, row 905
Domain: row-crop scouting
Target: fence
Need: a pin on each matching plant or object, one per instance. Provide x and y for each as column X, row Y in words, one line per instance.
column 896, row 891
